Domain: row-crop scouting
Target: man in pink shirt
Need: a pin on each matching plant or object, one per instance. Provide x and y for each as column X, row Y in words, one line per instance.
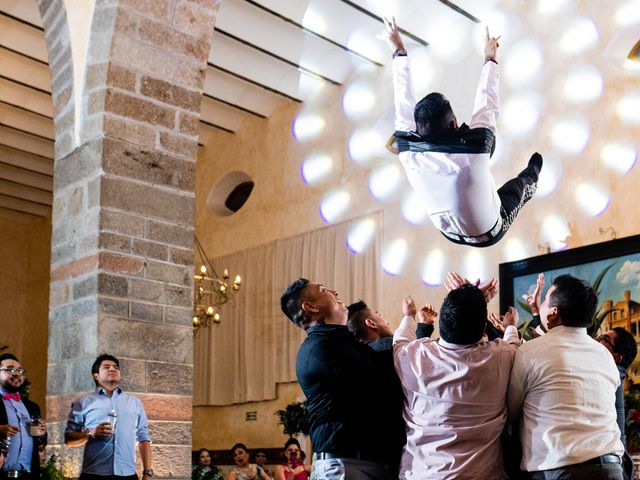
column 455, row 390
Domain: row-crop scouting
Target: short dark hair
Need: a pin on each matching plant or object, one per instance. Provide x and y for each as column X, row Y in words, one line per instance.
column 355, row 321
column 463, row 315
column 202, row 450
column 433, row 114
column 95, row 368
column 8, row 356
column 291, row 303
column 292, row 441
column 239, row 445
column 575, row 300
column 625, row 346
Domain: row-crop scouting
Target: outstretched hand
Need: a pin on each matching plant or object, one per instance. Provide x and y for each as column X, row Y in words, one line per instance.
column 427, row 314
column 490, row 47
column 391, row 35
column 409, row 307
column 455, row 280
column 534, row 299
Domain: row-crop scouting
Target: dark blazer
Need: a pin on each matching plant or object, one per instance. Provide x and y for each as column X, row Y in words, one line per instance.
column 33, row 409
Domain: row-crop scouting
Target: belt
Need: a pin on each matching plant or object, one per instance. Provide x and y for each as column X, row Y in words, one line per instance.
column 479, row 239
column 353, row 455
column 607, row 458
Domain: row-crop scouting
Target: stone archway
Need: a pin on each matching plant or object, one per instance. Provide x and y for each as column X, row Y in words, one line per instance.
column 127, row 81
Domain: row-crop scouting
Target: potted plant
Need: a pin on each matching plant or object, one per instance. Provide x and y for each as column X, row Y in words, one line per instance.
column 294, row 419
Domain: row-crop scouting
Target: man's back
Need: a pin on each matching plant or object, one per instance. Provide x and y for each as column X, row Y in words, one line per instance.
column 455, row 407
column 563, row 386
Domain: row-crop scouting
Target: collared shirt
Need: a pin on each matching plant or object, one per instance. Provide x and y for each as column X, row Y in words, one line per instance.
column 346, row 384
column 21, row 446
column 454, row 404
column 562, row 388
column 114, row 455
column 457, row 189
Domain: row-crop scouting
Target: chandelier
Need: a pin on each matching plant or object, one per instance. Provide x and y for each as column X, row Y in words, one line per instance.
column 210, row 291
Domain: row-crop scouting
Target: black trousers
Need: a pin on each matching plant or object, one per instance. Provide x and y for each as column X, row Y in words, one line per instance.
column 604, row 471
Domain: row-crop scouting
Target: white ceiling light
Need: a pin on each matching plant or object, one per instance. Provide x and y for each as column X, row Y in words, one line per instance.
column 394, row 257
column 358, row 99
column 555, row 231
column 515, row 249
column 549, row 7
column 570, row 135
column 593, row 199
column 307, row 126
column 583, row 85
column 384, row 181
column 360, row 235
column 549, row 177
column 316, row 168
column 523, row 62
column 628, row 13
column 433, row 268
column 364, row 145
column 620, row 156
column 520, row 114
column 474, row 266
column 413, row 209
column 628, row 108
column 580, row 35
column 334, row 204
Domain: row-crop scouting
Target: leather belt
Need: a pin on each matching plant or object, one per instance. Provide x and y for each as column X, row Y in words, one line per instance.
column 353, row 455
column 607, row 458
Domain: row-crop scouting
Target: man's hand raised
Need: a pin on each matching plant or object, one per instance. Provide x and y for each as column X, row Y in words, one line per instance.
column 409, row 307
column 391, row 35
column 490, row 47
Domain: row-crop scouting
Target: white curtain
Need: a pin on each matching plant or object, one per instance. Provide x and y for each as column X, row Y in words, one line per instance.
column 255, row 345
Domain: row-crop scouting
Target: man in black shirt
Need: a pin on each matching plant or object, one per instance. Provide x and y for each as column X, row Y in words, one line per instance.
column 346, row 384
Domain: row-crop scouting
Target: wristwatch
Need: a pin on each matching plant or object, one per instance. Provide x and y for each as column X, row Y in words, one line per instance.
column 148, row 472
column 89, row 433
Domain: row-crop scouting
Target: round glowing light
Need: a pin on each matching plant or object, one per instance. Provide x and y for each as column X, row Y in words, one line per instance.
column 425, row 73
column 474, row 266
column 520, row 114
column 307, row 126
column 316, row 168
column 548, row 7
column 360, row 41
column 555, row 231
column 620, row 156
column 580, row 35
column 549, row 178
column 333, row 205
column 515, row 249
column 360, row 235
column 628, row 13
column 448, row 39
column 394, row 257
column 384, row 181
column 357, row 101
column 413, row 209
column 314, row 21
column 570, row 136
column 592, row 198
column 433, row 269
column 631, row 65
column 628, row 108
column 523, row 62
column 365, row 144
column 583, row 85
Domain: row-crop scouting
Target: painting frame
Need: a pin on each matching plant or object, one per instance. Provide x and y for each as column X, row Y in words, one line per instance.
column 565, row 261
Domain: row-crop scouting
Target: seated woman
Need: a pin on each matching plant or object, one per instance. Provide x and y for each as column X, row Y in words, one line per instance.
column 243, row 469
column 203, row 470
column 292, row 468
column 261, row 459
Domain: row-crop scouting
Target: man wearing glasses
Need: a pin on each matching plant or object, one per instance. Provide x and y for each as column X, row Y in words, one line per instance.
column 16, row 417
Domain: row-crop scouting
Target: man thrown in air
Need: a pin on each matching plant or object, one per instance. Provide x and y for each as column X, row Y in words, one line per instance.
column 448, row 165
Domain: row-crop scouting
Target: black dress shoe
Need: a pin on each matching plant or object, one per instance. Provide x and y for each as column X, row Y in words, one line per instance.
column 533, row 168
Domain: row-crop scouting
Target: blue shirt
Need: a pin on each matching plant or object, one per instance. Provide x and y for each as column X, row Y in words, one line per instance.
column 114, row 455
column 21, row 447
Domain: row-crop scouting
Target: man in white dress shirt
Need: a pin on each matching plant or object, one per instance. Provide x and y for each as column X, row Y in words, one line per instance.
column 448, row 165
column 562, row 390
column 454, row 390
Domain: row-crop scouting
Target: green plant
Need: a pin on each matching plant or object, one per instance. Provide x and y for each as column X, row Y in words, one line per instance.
column 294, row 419
column 50, row 471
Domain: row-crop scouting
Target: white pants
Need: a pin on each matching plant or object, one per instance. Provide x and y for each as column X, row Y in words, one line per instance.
column 352, row 469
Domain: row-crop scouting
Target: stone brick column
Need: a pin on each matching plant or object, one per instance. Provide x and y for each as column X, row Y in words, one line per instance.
column 123, row 214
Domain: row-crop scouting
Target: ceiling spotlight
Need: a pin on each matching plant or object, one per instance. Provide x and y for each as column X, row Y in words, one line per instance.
column 433, row 268
column 316, row 168
column 580, row 35
column 571, row 135
column 620, row 156
column 583, row 85
column 333, row 205
column 394, row 256
column 360, row 235
column 593, row 199
column 384, row 181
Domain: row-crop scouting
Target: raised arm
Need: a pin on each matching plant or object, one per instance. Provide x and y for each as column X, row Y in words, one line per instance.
column 406, row 332
column 404, row 100
column 485, row 108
